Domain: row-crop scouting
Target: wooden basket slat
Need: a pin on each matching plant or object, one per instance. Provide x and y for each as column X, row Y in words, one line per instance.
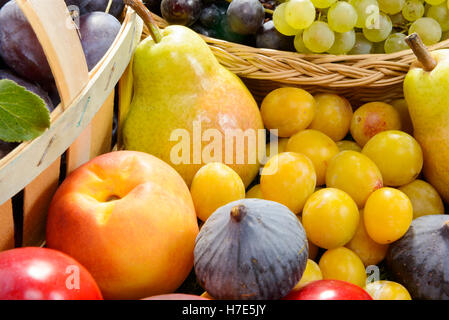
column 36, row 200
column 28, row 160
column 56, row 31
column 6, row 226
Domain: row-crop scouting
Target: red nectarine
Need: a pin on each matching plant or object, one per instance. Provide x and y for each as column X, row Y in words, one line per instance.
column 128, row 217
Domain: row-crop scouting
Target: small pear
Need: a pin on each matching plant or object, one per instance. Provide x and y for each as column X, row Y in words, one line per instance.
column 180, row 88
column 426, row 90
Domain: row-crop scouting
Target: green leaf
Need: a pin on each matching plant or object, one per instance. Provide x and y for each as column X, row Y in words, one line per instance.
column 23, row 114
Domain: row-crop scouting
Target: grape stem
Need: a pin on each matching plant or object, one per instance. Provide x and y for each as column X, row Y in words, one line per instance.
column 108, row 6
column 421, row 52
column 147, row 18
column 265, row 9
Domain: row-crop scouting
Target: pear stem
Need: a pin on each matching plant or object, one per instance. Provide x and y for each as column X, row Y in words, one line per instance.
column 109, row 6
column 147, row 18
column 421, row 52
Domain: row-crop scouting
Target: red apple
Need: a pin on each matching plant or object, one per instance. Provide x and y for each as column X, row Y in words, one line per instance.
column 329, row 290
column 128, row 217
column 44, row 274
column 176, row 296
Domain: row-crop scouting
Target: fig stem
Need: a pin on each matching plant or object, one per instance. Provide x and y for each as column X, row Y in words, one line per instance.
column 147, row 18
column 238, row 212
column 421, row 52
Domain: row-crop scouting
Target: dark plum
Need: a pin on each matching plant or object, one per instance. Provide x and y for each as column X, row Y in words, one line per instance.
column 183, row 12
column 204, row 31
column 87, row 6
column 6, row 147
column 20, row 48
column 211, row 16
column 268, row 37
column 245, row 16
column 98, row 31
column 35, row 88
column 224, row 32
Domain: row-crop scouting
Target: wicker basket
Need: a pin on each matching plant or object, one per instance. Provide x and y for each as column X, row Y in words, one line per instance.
column 358, row 77
column 80, row 125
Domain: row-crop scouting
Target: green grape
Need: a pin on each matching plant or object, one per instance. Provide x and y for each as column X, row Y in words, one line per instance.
column 342, row 17
column 318, row 37
column 379, row 31
column 428, row 30
column 323, row 3
column 441, row 14
column 299, row 44
column 362, row 45
column 367, row 12
column 279, row 21
column 299, row 14
column 413, row 10
column 343, row 43
column 391, row 6
column 435, row 2
column 395, row 42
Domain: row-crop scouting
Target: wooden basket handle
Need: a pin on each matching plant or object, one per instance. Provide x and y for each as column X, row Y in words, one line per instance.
column 56, row 31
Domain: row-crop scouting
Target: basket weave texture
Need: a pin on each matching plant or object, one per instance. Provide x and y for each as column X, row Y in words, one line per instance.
column 357, row 77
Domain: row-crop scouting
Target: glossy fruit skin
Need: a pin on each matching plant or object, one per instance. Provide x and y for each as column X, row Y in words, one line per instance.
column 245, row 16
column 233, row 250
column 213, row 186
column 33, row 273
column 387, row 214
column 211, row 16
column 343, row 264
column 418, row 259
column 329, row 290
column 311, row 273
column 333, row 116
column 289, row 110
column 288, row 178
column 425, row 199
column 406, row 123
column 330, row 218
column 387, row 290
column 268, row 37
column 369, row 251
column 98, row 31
column 360, row 183
column 372, row 118
column 176, row 296
column 281, row 147
column 348, row 145
column 20, row 48
column 318, row 147
column 397, row 155
column 183, row 12
column 135, row 214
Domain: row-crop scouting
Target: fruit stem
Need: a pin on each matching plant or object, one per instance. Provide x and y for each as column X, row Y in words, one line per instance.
column 238, row 212
column 421, row 52
column 109, row 6
column 147, row 18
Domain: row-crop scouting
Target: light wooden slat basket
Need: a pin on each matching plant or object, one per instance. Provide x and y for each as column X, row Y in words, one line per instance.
column 358, row 77
column 80, row 125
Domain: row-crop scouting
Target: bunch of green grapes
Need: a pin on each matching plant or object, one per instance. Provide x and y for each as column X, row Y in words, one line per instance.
column 361, row 26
